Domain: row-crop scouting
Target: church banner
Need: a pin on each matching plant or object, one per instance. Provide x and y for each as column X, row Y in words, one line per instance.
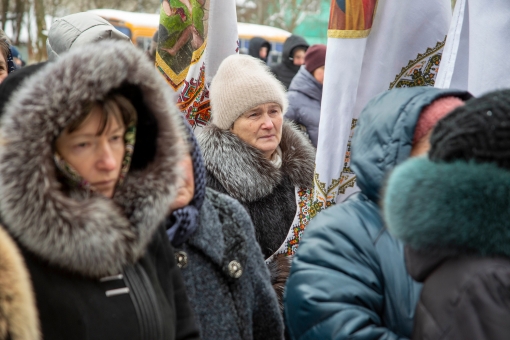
column 373, row 45
column 194, row 37
column 476, row 51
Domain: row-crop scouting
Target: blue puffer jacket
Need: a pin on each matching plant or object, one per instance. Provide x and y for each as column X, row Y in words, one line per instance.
column 305, row 94
column 348, row 278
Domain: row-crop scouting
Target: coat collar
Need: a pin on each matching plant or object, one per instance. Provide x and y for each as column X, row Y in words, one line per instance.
column 305, row 83
column 87, row 234
column 243, row 170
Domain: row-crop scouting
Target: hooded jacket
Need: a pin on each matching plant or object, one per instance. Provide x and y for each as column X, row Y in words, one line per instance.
column 101, row 268
column 454, row 217
column 77, row 30
column 255, row 45
column 348, row 277
column 268, row 194
column 305, row 96
column 286, row 70
column 18, row 314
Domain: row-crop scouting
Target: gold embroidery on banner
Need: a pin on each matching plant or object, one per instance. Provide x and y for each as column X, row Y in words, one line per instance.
column 346, row 34
column 174, row 79
column 421, row 71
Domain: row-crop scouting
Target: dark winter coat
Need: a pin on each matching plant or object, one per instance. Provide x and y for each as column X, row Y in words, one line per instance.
column 305, row 95
column 242, row 172
column 286, row 70
column 348, row 277
column 255, row 45
column 18, row 313
column 454, row 217
column 101, row 268
column 12, row 83
column 225, row 275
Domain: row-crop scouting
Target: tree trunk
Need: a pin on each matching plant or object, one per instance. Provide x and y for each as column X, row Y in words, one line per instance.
column 20, row 12
column 41, row 26
column 5, row 10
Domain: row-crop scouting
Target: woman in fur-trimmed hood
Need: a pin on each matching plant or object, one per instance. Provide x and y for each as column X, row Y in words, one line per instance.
column 452, row 210
column 88, row 170
column 256, row 157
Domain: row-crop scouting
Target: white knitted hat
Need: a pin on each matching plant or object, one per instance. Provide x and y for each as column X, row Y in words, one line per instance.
column 242, row 83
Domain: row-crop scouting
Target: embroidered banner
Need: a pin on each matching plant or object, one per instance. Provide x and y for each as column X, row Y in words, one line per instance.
column 351, row 18
column 372, row 46
column 194, row 37
column 291, row 243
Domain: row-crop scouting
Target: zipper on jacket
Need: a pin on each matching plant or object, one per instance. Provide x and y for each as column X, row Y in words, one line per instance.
column 145, row 302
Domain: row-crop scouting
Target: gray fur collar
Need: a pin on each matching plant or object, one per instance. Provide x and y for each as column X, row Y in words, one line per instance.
column 460, row 207
column 243, row 170
column 91, row 235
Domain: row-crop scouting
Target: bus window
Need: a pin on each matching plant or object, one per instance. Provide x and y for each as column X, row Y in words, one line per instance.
column 278, row 47
column 124, row 30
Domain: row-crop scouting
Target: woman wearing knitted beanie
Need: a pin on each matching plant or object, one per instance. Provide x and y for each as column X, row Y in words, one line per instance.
column 88, row 168
column 224, row 272
column 255, row 156
column 452, row 210
column 305, row 92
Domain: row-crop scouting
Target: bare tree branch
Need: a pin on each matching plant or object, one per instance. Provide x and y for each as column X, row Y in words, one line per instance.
column 285, row 14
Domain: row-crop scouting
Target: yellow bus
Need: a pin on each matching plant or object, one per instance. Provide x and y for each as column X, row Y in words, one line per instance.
column 275, row 36
column 140, row 27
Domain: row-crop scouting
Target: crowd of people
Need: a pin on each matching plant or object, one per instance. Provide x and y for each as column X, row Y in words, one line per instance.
column 117, row 222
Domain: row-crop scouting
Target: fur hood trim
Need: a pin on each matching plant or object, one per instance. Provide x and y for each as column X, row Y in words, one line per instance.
column 93, row 235
column 18, row 314
column 462, row 207
column 243, row 170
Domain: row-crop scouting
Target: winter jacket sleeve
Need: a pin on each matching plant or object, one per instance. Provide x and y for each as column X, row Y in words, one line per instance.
column 293, row 110
column 335, row 290
column 266, row 316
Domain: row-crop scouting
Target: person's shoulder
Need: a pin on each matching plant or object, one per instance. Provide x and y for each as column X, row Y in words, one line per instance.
column 275, row 69
column 227, row 207
column 356, row 218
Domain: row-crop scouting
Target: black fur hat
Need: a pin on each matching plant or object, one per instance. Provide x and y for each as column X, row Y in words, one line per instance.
column 479, row 130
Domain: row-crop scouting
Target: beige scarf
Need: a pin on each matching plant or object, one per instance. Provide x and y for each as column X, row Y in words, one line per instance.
column 276, row 158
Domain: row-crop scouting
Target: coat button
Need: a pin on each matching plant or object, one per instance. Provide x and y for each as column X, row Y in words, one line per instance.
column 235, row 269
column 182, row 259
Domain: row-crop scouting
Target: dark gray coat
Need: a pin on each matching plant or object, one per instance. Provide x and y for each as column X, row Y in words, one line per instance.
column 243, row 304
column 305, row 94
column 454, row 219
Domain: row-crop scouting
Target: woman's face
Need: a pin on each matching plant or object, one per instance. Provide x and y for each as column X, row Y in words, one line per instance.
column 96, row 158
column 261, row 127
column 318, row 74
column 4, row 72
